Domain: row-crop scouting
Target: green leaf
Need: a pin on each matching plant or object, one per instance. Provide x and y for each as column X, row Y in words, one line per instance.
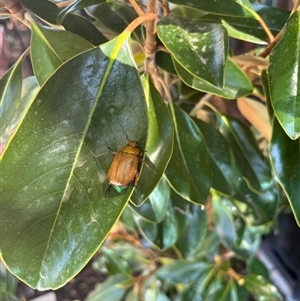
column 29, row 89
column 249, row 29
column 197, row 289
column 240, row 8
column 115, row 264
column 192, row 225
column 182, row 271
column 113, row 17
column 54, row 47
column 155, row 208
column 43, row 9
column 236, row 82
column 188, row 171
column 76, row 5
column 226, row 231
column 10, row 93
column 164, row 234
column 159, row 144
column 284, row 78
column 256, row 208
column 114, row 288
column 225, row 171
column 254, row 166
column 200, row 48
column 82, row 27
column 285, row 159
column 261, row 289
column 54, row 174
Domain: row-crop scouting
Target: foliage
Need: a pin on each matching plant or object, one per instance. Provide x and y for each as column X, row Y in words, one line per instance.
column 105, row 73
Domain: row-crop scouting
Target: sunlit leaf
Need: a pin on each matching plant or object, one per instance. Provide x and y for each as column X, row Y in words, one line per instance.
column 285, row 158
column 54, row 174
column 188, row 171
column 200, row 48
column 284, row 78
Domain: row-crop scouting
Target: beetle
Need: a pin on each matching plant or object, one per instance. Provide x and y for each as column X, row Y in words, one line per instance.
column 123, row 169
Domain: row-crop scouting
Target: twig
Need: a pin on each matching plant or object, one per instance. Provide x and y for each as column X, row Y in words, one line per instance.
column 136, row 7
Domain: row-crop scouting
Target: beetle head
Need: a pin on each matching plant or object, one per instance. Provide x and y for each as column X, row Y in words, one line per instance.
column 133, row 143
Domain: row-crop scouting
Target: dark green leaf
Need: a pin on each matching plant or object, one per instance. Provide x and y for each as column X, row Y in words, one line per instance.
column 256, row 208
column 240, row 8
column 53, row 47
column 192, row 225
column 155, row 208
column 265, row 83
column 284, row 78
column 249, row 29
column 226, row 230
column 54, row 175
column 164, row 234
column 225, row 172
column 29, row 89
column 253, row 164
column 10, row 95
column 159, row 144
column 82, row 27
column 114, row 288
column 200, row 48
column 76, row 5
column 113, row 17
column 115, row 264
column 164, row 61
column 285, row 158
column 182, row 271
column 236, row 83
column 196, row 290
column 261, row 289
column 43, row 9
column 188, row 171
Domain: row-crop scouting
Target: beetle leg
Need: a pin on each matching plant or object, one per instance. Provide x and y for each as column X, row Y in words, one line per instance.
column 112, row 151
column 136, row 178
column 106, row 190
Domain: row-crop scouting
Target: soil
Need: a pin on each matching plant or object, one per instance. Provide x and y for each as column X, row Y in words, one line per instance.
column 77, row 289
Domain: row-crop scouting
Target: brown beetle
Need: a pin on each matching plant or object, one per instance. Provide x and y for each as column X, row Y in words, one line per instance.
column 123, row 169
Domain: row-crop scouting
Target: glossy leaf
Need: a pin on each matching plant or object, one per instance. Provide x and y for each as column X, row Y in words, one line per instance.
column 155, row 208
column 55, row 47
column 54, row 174
column 236, row 83
column 285, row 159
column 82, row 27
column 254, row 166
column 115, row 264
column 164, row 234
column 226, row 231
column 256, row 208
column 261, row 289
column 200, row 48
column 114, row 288
column 192, row 225
column 233, row 8
column 249, row 29
column 159, row 144
column 182, row 271
column 29, row 89
column 76, row 5
column 284, row 78
column 225, row 171
column 188, row 171
column 113, row 17
column 10, row 94
column 43, row 9
column 196, row 290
